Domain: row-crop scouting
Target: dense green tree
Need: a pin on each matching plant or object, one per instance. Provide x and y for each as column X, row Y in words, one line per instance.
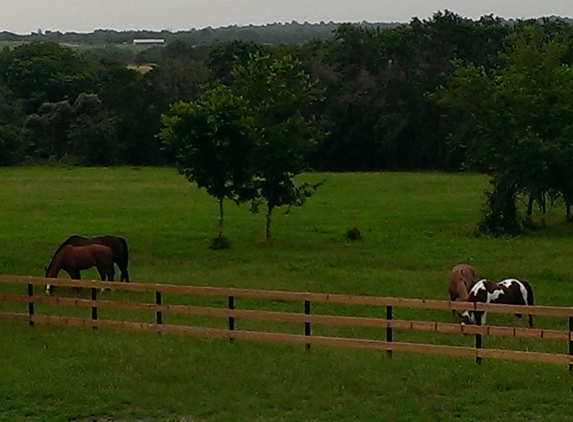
column 376, row 82
column 81, row 130
column 134, row 108
column 279, row 95
column 516, row 124
column 45, row 72
column 247, row 140
column 212, row 142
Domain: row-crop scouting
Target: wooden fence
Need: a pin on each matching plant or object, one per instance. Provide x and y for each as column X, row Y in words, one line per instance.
column 306, row 318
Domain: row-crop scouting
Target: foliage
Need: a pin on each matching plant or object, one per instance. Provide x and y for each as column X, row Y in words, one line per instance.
column 353, row 234
column 247, row 141
column 212, row 142
column 279, row 94
column 515, row 123
column 81, row 129
column 375, row 79
column 44, row 72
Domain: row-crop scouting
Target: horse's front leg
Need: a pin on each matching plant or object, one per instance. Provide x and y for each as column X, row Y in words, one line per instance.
column 75, row 275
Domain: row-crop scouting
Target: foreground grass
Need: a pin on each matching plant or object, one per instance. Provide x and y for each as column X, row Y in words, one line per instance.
column 414, row 228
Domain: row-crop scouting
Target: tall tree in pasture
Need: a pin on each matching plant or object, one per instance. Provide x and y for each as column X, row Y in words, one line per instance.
column 212, row 142
column 516, row 124
column 279, row 95
column 247, row 140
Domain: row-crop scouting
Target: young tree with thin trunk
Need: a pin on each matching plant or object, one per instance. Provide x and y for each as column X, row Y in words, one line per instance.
column 212, row 142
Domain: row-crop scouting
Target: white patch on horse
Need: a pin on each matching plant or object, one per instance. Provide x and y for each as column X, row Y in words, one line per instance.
column 508, row 282
column 493, row 296
column 480, row 285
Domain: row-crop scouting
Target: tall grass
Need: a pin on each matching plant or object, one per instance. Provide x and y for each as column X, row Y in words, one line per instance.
column 414, row 227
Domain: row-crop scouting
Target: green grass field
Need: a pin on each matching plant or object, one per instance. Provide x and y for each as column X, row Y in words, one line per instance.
column 414, row 226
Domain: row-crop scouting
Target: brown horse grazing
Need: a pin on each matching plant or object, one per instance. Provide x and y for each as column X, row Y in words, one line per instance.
column 509, row 291
column 73, row 259
column 462, row 278
column 117, row 244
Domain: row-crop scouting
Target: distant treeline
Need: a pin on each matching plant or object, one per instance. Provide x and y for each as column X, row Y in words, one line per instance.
column 275, row 34
column 86, row 104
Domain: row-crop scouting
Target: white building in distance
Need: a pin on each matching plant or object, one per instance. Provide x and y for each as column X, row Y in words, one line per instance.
column 148, row 41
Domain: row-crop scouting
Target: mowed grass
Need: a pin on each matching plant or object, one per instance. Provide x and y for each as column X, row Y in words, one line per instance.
column 414, row 226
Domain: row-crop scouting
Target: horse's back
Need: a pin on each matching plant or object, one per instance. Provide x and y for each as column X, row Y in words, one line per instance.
column 116, row 243
column 87, row 255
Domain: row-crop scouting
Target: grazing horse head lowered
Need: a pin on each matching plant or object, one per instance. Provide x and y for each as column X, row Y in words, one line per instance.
column 509, row 291
column 73, row 259
column 461, row 279
column 117, row 244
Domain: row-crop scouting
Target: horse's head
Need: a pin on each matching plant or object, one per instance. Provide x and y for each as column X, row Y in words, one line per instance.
column 467, row 318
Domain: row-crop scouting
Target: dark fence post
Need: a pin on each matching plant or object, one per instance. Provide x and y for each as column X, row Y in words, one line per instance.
column 158, row 314
column 307, row 330
column 389, row 333
column 31, row 304
column 231, row 322
column 570, row 341
column 478, row 338
column 94, row 308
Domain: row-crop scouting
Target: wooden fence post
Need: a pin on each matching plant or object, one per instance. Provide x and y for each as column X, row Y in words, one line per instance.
column 94, row 308
column 389, row 333
column 231, row 321
column 158, row 314
column 31, row 304
column 570, row 341
column 478, row 338
column 307, row 329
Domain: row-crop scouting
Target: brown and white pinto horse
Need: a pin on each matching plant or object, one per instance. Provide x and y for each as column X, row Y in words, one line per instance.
column 462, row 278
column 73, row 259
column 509, row 291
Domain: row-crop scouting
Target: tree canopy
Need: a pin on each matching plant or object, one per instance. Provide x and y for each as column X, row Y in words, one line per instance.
column 515, row 123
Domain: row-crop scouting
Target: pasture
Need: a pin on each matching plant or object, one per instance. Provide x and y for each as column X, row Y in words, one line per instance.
column 414, row 226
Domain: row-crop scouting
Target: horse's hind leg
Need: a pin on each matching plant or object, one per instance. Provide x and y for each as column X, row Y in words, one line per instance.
column 124, row 276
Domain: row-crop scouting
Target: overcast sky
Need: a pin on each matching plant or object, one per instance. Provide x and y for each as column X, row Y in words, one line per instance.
column 24, row 16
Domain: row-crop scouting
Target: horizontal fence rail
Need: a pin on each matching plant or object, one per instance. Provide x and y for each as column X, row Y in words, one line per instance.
column 305, row 317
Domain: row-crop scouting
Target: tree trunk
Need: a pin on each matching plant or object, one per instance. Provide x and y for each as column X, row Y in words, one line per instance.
column 269, row 221
column 220, row 218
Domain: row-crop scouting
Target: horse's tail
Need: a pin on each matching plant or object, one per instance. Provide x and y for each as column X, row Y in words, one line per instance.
column 124, row 260
column 530, row 301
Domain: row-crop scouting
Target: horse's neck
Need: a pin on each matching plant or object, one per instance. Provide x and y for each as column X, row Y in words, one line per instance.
column 55, row 266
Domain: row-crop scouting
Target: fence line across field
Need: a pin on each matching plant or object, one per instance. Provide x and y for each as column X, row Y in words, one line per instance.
column 305, row 317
